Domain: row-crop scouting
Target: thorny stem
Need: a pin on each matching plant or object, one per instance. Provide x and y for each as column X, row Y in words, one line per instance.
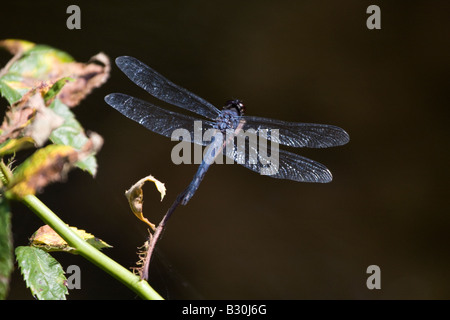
column 153, row 238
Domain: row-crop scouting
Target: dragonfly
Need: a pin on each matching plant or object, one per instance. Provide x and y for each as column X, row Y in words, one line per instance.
column 290, row 166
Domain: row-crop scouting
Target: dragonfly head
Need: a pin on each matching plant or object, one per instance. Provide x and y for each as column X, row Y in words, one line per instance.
column 235, row 105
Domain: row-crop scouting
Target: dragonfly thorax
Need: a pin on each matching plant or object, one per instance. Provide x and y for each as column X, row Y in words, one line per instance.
column 236, row 105
column 230, row 115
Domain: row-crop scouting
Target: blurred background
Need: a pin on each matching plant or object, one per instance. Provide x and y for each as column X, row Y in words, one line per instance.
column 246, row 236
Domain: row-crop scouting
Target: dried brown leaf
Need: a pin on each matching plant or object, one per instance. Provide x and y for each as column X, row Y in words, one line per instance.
column 47, row 239
column 30, row 117
column 135, row 197
column 87, row 76
column 92, row 146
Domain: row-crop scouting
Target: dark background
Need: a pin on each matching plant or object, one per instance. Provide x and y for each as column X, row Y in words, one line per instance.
column 245, row 236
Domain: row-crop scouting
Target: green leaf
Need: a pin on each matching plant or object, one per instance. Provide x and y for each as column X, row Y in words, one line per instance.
column 11, row 146
column 6, row 248
column 36, row 64
column 56, row 88
column 11, row 87
column 42, row 273
column 46, row 165
column 71, row 133
column 39, row 62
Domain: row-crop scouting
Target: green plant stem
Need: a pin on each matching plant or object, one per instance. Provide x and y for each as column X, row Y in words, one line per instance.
column 141, row 287
column 6, row 175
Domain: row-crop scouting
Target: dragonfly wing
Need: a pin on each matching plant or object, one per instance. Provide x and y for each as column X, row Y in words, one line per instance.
column 163, row 89
column 280, row 165
column 157, row 119
column 295, row 134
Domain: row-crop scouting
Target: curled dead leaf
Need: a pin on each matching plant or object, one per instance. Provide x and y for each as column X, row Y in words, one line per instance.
column 135, row 197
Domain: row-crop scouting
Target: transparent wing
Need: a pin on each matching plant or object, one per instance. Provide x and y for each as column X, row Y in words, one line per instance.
column 295, row 134
column 163, row 89
column 157, row 119
column 280, row 164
